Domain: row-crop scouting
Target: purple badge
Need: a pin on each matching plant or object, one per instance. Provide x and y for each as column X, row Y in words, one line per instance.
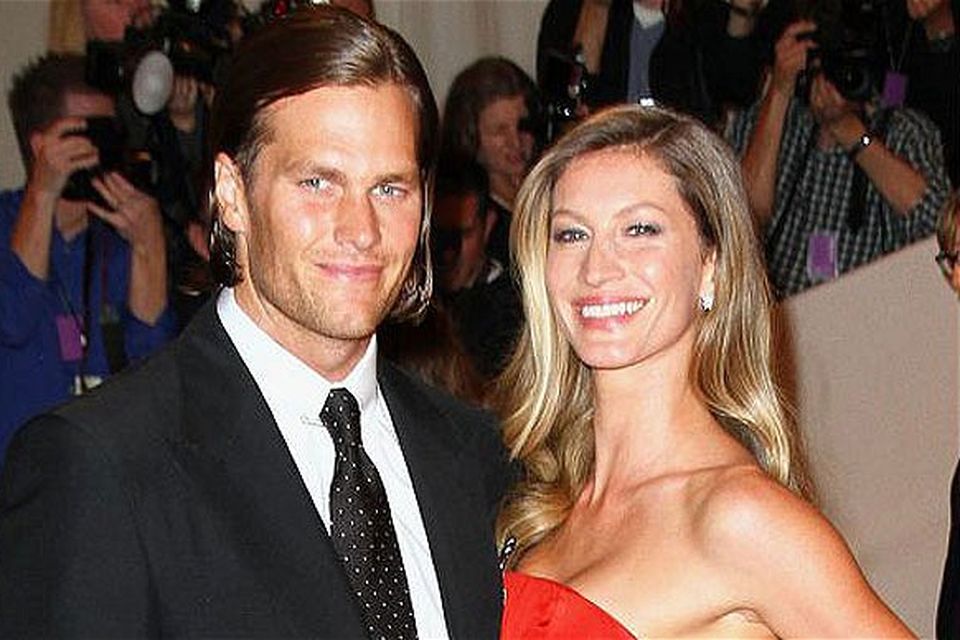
column 894, row 89
column 71, row 350
column 822, row 256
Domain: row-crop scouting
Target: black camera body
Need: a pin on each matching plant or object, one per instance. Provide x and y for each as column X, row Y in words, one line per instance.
column 193, row 35
column 107, row 135
column 566, row 86
column 850, row 49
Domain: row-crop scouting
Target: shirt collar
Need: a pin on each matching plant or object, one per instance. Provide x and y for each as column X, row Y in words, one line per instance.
column 290, row 387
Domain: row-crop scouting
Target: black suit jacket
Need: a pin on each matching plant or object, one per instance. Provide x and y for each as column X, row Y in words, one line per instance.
column 167, row 503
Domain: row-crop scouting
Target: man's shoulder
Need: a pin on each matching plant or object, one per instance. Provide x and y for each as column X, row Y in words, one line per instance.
column 10, row 204
column 413, row 391
column 137, row 410
column 910, row 123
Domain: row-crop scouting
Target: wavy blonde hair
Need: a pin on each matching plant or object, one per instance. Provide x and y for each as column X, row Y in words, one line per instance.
column 545, row 395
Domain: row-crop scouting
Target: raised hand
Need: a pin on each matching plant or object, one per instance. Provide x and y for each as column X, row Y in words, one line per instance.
column 791, row 55
column 57, row 154
column 134, row 214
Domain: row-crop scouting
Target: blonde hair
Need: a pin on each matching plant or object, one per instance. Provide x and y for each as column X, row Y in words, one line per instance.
column 545, row 394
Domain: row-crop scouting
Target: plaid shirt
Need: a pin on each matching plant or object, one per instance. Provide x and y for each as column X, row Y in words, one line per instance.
column 814, row 193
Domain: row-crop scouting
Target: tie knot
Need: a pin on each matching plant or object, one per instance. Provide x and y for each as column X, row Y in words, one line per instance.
column 341, row 415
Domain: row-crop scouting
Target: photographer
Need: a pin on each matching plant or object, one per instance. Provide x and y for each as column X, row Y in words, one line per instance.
column 696, row 56
column 79, row 294
column 834, row 181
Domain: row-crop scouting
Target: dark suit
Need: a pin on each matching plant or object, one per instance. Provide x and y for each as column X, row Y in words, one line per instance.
column 167, row 503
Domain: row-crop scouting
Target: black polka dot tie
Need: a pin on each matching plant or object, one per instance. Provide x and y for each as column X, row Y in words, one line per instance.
column 361, row 527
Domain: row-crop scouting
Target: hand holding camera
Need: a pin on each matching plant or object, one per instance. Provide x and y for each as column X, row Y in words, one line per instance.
column 837, row 115
column 132, row 213
column 58, row 153
column 791, row 55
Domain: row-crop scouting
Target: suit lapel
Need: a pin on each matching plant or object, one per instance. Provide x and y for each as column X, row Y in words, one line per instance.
column 451, row 505
column 242, row 460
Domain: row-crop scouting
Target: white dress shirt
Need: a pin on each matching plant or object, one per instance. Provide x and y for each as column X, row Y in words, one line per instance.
column 295, row 394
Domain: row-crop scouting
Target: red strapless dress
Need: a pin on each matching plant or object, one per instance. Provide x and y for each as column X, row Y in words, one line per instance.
column 541, row 608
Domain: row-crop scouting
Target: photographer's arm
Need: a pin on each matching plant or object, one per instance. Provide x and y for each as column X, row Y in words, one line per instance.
column 56, row 155
column 900, row 184
column 591, row 31
column 759, row 161
column 136, row 217
column 895, row 179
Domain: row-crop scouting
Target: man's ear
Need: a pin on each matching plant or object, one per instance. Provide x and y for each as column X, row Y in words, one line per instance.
column 230, row 193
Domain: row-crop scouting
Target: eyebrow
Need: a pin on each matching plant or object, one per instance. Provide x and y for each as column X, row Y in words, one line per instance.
column 312, row 168
column 629, row 209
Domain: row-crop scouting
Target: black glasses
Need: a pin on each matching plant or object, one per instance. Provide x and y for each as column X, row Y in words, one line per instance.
column 947, row 261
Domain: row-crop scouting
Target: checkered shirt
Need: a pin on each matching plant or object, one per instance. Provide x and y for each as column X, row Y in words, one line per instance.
column 816, row 195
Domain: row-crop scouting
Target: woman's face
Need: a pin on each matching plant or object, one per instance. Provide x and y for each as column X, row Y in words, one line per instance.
column 625, row 264
column 504, row 149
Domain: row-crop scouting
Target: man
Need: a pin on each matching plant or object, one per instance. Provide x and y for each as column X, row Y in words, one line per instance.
column 481, row 296
column 646, row 50
column 223, row 488
column 834, row 182
column 78, row 296
column 948, row 607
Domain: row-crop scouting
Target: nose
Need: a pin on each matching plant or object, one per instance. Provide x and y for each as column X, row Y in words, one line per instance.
column 357, row 223
column 601, row 264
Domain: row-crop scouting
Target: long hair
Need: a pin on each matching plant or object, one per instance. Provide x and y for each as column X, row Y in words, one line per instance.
column 545, row 394
column 315, row 47
column 473, row 90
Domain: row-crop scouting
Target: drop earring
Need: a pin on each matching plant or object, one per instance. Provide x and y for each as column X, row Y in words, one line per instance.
column 705, row 301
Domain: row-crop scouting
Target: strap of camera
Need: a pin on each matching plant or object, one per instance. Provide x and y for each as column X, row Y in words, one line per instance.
column 857, row 211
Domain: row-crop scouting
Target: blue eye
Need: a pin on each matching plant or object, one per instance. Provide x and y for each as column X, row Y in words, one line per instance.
column 316, row 183
column 389, row 190
column 569, row 235
column 644, row 229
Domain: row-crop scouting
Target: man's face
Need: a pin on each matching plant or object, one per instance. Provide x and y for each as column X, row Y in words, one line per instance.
column 329, row 225
column 108, row 19
column 457, row 216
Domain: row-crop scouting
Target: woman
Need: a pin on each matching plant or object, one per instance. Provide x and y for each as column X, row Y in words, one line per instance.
column 663, row 490
column 488, row 119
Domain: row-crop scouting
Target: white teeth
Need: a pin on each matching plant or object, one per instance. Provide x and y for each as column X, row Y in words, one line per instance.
column 612, row 309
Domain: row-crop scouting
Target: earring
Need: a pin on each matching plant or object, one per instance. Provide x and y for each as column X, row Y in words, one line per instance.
column 705, row 300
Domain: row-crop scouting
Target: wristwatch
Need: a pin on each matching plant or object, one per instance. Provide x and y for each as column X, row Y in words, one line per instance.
column 857, row 147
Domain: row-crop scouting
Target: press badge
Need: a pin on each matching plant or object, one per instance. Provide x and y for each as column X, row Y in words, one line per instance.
column 68, row 333
column 822, row 256
column 894, row 89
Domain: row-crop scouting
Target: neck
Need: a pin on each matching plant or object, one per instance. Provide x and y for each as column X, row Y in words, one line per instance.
column 645, row 420
column 71, row 218
column 504, row 188
column 332, row 358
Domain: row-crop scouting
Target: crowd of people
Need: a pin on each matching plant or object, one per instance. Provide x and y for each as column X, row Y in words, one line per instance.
column 318, row 250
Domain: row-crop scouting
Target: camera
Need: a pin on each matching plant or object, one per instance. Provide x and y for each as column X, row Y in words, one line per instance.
column 194, row 35
column 107, row 135
column 566, row 86
column 849, row 48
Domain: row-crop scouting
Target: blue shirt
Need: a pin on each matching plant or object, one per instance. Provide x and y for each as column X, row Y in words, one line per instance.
column 34, row 376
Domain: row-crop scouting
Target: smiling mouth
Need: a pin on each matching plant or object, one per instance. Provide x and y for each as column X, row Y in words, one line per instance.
column 622, row 309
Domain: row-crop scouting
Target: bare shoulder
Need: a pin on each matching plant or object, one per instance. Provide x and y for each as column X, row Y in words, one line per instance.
column 743, row 506
column 779, row 556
